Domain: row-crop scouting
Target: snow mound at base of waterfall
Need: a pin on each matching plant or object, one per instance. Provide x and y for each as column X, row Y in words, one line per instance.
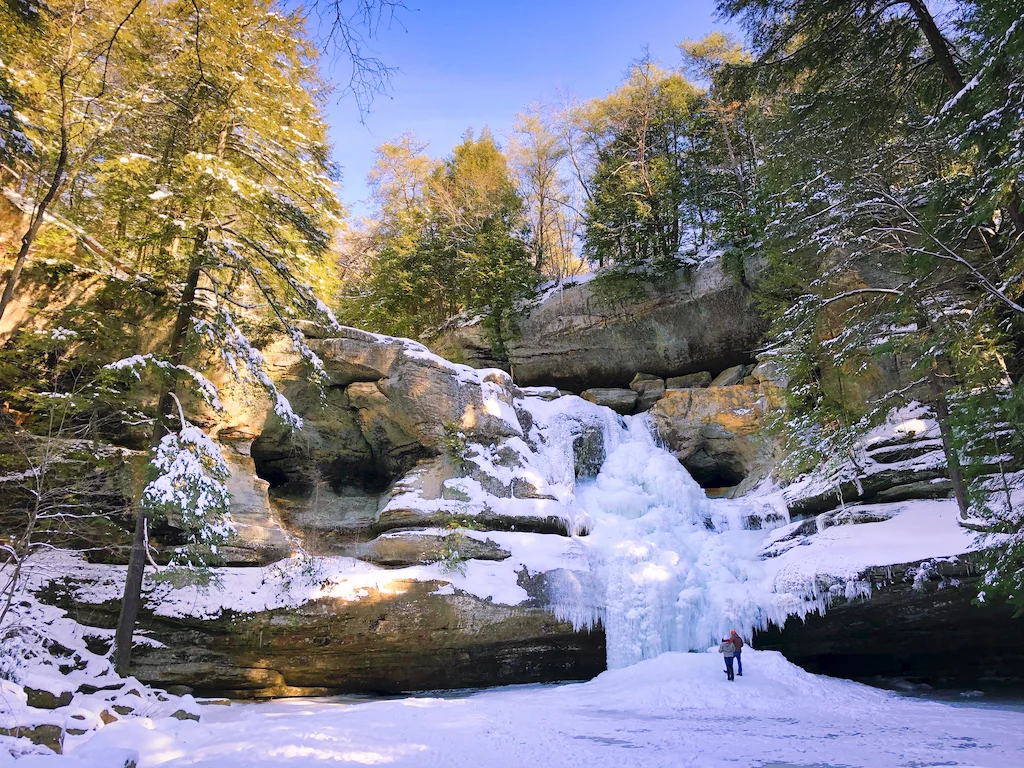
column 675, row 710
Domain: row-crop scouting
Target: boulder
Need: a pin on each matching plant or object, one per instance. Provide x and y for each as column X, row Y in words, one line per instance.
column 419, row 391
column 702, row 319
column 388, row 405
column 50, row 736
column 398, row 516
column 641, row 379
column 419, row 499
column 415, row 548
column 713, row 431
column 619, row 400
column 649, row 389
column 729, row 377
column 44, row 699
column 698, row 380
column 770, row 372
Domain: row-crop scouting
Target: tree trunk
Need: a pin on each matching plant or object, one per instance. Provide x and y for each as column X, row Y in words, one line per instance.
column 132, row 596
column 953, row 466
column 40, row 211
column 137, row 557
column 939, row 46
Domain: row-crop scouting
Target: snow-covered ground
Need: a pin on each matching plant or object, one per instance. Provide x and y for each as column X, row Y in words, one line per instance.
column 675, row 710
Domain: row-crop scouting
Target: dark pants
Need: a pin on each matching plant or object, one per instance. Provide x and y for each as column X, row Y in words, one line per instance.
column 728, row 666
column 739, row 662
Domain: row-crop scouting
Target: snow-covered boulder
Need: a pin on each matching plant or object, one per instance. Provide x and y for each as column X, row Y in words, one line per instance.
column 619, row 399
column 417, row 391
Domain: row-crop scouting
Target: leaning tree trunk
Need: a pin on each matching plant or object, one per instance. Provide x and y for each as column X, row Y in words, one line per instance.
column 956, row 84
column 137, row 557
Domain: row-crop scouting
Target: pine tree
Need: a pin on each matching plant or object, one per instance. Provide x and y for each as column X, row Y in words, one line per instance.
column 478, row 225
column 446, row 238
column 881, row 242
column 648, row 183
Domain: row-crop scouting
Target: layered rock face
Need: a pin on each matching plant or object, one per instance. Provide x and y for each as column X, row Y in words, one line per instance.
column 704, row 320
column 408, row 636
column 410, row 471
column 920, row 623
column 388, row 405
column 890, row 465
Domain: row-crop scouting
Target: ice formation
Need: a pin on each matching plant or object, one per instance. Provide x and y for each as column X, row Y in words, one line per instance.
column 670, row 569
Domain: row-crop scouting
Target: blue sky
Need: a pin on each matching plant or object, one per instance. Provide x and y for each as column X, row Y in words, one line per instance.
column 470, row 64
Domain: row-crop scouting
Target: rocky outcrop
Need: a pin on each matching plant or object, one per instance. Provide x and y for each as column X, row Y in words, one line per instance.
column 413, row 635
column 905, row 465
column 921, row 623
column 461, row 522
column 715, row 431
column 387, row 406
column 703, row 320
column 388, row 403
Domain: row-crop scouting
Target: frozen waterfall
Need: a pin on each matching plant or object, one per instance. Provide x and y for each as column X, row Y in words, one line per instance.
column 670, row 569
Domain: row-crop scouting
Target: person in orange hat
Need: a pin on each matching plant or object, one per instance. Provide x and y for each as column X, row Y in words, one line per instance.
column 737, row 644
